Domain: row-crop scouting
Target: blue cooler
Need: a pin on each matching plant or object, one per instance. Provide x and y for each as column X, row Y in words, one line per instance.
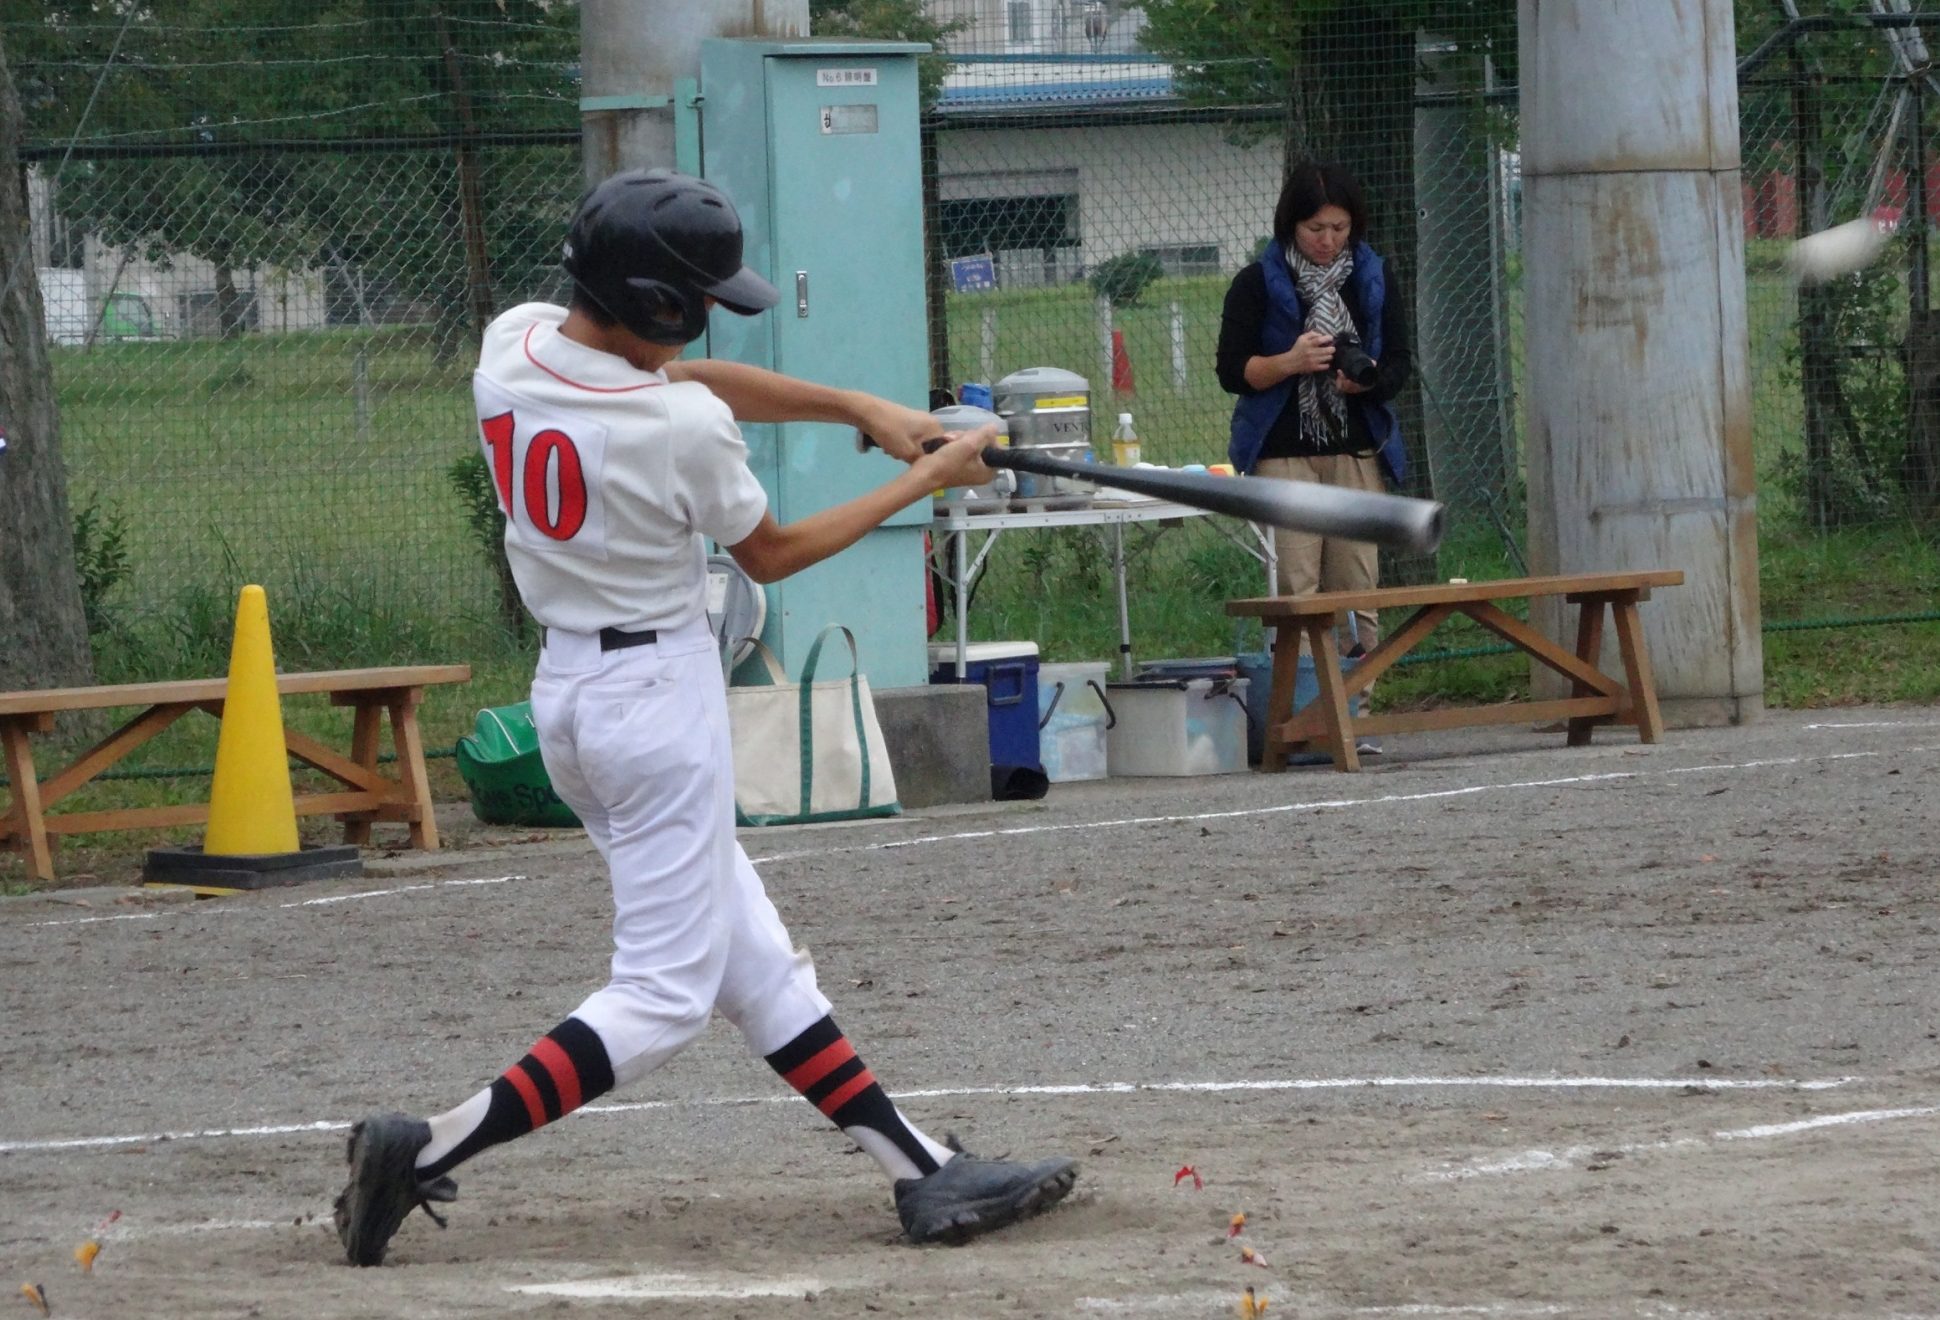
column 1258, row 666
column 1008, row 672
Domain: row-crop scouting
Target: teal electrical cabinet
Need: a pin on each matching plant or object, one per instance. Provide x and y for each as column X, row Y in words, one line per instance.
column 817, row 143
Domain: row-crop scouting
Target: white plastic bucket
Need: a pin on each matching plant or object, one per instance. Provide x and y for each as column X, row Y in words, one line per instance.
column 1073, row 716
column 1193, row 726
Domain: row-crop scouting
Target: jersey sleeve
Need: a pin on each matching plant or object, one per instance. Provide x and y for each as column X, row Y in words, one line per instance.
column 713, row 484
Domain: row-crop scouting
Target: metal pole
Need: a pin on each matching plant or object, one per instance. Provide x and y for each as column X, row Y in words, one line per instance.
column 987, row 346
column 962, row 538
column 1103, row 306
column 1176, row 321
column 471, row 205
column 1124, row 611
column 360, row 388
column 1916, row 133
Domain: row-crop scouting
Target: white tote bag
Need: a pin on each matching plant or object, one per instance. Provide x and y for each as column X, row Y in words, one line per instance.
column 809, row 751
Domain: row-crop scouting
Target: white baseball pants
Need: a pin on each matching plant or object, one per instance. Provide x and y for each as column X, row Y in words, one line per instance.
column 636, row 743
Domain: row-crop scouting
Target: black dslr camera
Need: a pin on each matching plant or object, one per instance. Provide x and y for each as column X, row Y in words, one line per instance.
column 1352, row 361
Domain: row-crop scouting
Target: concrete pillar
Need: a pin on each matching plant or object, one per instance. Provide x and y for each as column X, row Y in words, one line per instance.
column 631, row 51
column 1638, row 389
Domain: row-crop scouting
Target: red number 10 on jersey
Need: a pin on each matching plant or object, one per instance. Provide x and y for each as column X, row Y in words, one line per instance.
column 559, row 518
column 546, row 470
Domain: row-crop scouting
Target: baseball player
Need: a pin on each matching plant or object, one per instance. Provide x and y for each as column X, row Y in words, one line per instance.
column 614, row 463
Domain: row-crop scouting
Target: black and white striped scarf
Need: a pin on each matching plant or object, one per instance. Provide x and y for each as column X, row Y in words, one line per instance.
column 1323, row 412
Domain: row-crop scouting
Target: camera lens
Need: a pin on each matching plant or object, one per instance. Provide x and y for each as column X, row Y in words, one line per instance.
column 1352, row 361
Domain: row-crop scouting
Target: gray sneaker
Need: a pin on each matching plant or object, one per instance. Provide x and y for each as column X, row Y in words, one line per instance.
column 971, row 1196
column 384, row 1185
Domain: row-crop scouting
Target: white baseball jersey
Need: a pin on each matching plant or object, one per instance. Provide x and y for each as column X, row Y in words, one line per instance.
column 609, row 477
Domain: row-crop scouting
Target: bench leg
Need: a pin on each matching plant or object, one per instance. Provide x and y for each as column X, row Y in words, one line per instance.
column 1279, row 703
column 1636, row 667
column 1333, row 695
column 410, row 768
column 26, row 828
column 364, row 732
column 1589, row 646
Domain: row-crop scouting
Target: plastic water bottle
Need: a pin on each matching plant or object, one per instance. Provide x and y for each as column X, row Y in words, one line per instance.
column 1124, row 443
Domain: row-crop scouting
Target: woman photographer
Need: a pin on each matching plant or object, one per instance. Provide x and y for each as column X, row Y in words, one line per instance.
column 1314, row 343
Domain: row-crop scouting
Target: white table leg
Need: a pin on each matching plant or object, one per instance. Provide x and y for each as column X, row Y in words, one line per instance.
column 962, row 575
column 1124, row 612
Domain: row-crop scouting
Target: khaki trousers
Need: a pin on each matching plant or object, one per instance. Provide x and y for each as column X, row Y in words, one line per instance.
column 1309, row 562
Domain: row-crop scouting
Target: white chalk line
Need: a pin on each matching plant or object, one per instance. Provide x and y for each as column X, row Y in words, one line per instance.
column 1532, row 1161
column 1878, row 724
column 672, row 1286
column 1208, row 1301
column 1334, row 804
column 148, row 1138
column 124, row 1231
column 215, row 911
column 956, row 1092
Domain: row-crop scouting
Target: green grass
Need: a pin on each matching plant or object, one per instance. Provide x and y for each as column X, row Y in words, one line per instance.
column 255, row 461
column 252, row 461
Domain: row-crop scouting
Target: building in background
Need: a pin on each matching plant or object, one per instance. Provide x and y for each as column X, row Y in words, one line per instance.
column 1062, row 144
column 97, row 293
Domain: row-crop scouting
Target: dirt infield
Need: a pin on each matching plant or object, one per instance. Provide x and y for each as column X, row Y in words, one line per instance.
column 1498, row 1028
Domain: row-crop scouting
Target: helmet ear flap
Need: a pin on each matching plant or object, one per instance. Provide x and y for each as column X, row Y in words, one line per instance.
column 665, row 313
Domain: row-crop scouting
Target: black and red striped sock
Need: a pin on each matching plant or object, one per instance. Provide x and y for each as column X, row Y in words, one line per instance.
column 822, row 1065
column 566, row 1068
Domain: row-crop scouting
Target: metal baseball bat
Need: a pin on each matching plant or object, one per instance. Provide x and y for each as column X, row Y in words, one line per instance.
column 1396, row 521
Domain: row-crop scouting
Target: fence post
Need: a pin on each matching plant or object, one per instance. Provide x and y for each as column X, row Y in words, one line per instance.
column 360, row 389
column 1176, row 316
column 1104, row 339
column 987, row 346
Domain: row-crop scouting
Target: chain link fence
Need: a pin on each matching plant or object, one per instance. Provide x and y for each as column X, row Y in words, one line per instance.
column 264, row 309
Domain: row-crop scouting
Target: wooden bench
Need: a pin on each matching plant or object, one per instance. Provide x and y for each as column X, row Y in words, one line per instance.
column 1595, row 697
column 27, row 826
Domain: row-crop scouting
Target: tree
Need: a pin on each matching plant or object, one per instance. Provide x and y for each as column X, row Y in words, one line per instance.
column 225, row 79
column 43, row 628
column 891, row 20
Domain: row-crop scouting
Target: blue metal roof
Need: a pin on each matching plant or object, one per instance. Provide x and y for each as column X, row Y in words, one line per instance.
column 1028, row 95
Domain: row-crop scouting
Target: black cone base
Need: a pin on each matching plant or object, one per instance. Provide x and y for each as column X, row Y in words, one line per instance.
column 196, row 869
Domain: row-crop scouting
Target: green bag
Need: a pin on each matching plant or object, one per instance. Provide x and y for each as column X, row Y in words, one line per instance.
column 499, row 762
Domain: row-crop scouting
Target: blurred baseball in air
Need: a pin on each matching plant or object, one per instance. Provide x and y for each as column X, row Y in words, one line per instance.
column 1843, row 249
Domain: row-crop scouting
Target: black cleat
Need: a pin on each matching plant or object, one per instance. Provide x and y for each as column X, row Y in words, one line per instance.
column 970, row 1196
column 384, row 1185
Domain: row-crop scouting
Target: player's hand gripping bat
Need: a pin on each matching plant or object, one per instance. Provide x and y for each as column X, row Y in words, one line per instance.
column 1397, row 521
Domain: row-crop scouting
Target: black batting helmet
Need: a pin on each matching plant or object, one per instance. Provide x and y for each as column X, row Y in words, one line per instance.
column 649, row 246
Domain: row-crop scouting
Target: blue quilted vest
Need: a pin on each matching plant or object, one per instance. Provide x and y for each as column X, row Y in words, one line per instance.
column 1255, row 414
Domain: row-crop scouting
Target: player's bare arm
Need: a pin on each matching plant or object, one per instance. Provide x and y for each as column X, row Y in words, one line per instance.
column 774, row 550
column 755, row 394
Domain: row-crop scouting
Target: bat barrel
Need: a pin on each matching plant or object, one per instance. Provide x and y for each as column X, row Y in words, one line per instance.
column 1395, row 521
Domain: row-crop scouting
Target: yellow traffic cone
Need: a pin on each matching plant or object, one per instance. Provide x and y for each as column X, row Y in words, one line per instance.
column 251, row 842
column 252, row 808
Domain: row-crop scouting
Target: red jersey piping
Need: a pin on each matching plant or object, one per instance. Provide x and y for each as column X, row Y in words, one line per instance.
column 526, row 343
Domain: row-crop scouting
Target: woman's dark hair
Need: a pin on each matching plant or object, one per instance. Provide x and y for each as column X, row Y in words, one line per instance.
column 1311, row 185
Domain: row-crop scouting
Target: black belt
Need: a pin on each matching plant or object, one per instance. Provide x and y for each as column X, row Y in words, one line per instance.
column 613, row 639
